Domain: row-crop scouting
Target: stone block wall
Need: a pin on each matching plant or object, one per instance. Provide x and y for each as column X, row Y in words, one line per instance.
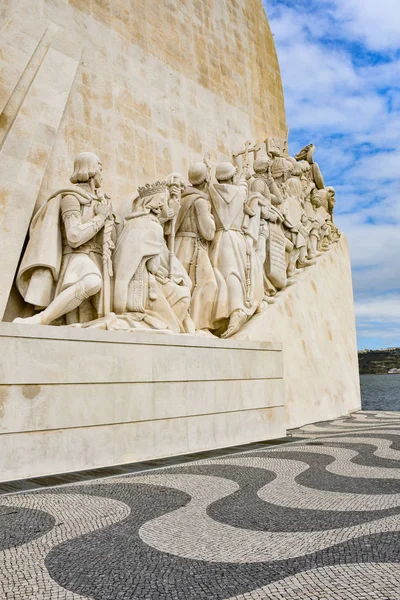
column 73, row 400
column 315, row 321
column 158, row 83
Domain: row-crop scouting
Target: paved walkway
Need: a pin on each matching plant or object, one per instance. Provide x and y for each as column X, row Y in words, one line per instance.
column 314, row 519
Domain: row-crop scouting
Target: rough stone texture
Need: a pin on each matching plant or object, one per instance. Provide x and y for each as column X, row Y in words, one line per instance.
column 36, row 75
column 315, row 321
column 160, row 83
column 237, row 527
column 77, row 399
column 149, row 86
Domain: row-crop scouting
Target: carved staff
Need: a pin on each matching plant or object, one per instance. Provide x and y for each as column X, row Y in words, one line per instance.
column 108, row 245
column 173, row 181
column 248, row 148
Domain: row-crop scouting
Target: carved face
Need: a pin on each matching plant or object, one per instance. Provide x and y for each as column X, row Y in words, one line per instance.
column 156, row 203
column 98, row 178
column 315, row 199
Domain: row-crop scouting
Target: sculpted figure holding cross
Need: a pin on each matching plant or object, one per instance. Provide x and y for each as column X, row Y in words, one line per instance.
column 232, row 254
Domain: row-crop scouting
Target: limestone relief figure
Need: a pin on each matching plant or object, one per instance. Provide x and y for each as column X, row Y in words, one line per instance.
column 62, row 273
column 263, row 184
column 297, row 216
column 195, row 229
column 151, row 289
column 232, row 254
column 319, row 203
column 307, row 153
column 198, row 258
column 280, row 171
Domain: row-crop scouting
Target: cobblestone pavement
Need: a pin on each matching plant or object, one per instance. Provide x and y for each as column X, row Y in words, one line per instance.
column 316, row 519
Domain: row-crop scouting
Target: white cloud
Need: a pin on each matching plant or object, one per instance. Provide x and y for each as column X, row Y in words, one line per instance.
column 381, row 308
column 351, row 111
column 376, row 23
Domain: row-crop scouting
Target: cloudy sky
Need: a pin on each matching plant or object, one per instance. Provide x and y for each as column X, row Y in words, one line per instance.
column 340, row 63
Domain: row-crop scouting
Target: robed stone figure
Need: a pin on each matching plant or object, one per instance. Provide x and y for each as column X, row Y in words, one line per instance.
column 195, row 229
column 232, row 254
column 149, row 291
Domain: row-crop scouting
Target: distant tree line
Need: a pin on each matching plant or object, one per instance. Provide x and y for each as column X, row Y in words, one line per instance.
column 378, row 361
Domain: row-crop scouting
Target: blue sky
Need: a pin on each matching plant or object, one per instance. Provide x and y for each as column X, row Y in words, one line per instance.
column 340, row 64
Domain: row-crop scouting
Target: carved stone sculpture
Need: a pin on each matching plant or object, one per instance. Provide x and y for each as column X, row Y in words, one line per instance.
column 335, row 233
column 307, row 153
column 195, row 229
column 263, row 184
column 151, row 287
column 281, row 170
column 322, row 216
column 188, row 258
column 62, row 270
column 232, row 254
column 297, row 216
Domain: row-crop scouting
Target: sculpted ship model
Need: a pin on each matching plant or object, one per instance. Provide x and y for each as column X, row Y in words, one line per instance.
column 197, row 258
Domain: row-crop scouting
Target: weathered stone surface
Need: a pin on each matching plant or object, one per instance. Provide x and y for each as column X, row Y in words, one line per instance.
column 315, row 321
column 74, row 399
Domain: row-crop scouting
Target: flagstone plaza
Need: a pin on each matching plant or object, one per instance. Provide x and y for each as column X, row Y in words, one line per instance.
column 314, row 518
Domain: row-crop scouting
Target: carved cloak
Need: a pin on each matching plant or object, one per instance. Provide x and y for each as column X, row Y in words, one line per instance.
column 236, row 266
column 155, row 300
column 40, row 268
column 141, row 237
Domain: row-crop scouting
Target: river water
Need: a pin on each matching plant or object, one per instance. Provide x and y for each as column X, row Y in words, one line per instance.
column 380, row 392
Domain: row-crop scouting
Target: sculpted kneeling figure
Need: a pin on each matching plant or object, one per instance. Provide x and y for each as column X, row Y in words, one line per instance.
column 151, row 289
column 61, row 272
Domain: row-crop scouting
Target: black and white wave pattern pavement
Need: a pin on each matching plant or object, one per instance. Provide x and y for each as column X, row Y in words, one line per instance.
column 315, row 519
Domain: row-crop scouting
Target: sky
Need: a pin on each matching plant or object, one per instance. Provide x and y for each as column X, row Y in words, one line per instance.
column 340, row 65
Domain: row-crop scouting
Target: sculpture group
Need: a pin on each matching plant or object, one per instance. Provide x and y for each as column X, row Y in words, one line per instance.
column 198, row 257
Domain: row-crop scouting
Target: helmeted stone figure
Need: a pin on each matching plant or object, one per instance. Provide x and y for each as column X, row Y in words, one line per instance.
column 262, row 183
column 282, row 230
column 195, row 229
column 232, row 254
column 312, row 223
column 319, row 201
column 62, row 270
column 298, row 234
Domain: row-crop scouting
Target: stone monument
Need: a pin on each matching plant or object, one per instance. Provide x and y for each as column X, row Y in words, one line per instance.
column 154, row 317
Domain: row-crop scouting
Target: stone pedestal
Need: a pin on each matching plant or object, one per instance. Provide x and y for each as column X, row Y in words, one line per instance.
column 73, row 400
column 314, row 319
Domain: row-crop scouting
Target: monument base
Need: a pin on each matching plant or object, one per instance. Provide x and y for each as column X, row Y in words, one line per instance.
column 315, row 320
column 75, row 399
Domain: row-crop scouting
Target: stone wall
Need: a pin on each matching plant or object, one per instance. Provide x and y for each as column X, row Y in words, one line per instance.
column 315, row 321
column 73, row 400
column 158, row 83
column 148, row 86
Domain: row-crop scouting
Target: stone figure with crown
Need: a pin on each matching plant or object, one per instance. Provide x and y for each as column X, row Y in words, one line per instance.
column 200, row 257
column 151, row 287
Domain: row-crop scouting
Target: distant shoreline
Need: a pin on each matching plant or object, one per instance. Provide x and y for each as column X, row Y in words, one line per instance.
column 379, row 362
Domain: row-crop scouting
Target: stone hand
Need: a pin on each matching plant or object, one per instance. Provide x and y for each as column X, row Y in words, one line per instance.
column 174, row 190
column 103, row 209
